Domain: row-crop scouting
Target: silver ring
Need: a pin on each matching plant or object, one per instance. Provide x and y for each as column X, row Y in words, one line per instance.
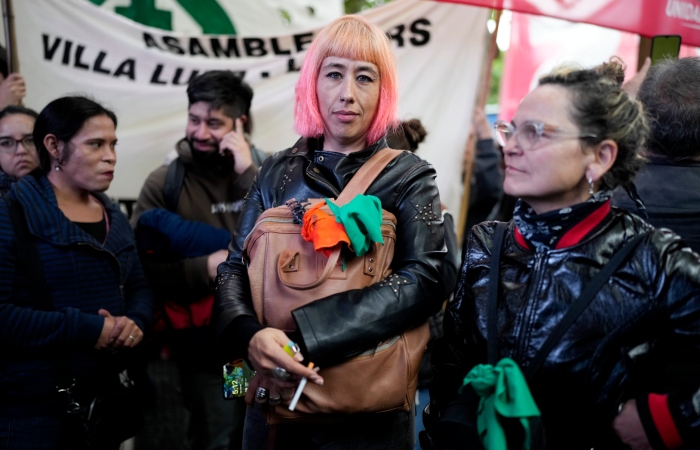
column 280, row 373
column 132, row 338
column 261, row 394
column 275, row 401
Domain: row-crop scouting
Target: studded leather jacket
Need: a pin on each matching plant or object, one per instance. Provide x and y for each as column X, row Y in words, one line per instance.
column 641, row 334
column 405, row 187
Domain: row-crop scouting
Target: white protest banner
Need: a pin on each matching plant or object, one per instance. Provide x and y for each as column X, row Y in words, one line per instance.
column 69, row 46
column 239, row 17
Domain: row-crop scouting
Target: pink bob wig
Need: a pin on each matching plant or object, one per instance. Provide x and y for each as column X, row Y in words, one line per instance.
column 350, row 37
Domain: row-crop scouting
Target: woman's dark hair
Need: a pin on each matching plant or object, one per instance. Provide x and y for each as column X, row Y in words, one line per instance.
column 601, row 107
column 407, row 135
column 13, row 109
column 670, row 94
column 64, row 117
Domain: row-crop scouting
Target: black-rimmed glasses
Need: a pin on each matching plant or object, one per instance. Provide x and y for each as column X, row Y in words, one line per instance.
column 9, row 144
column 528, row 133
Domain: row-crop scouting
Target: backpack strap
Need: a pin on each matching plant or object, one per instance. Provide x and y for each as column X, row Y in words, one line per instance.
column 574, row 311
column 576, row 308
column 367, row 174
column 174, row 180
column 494, row 280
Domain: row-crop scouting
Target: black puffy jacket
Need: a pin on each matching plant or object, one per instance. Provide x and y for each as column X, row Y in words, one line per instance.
column 641, row 333
column 405, row 187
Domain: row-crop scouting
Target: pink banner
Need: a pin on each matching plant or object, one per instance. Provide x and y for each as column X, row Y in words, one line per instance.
column 644, row 17
column 539, row 44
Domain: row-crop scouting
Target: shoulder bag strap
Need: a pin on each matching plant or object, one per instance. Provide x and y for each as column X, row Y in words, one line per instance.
column 367, row 174
column 28, row 256
column 581, row 304
column 494, row 278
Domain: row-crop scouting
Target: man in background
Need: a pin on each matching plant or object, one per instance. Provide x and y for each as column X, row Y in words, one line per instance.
column 197, row 197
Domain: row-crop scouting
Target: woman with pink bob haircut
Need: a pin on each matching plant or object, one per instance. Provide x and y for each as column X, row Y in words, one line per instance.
column 345, row 102
column 350, row 37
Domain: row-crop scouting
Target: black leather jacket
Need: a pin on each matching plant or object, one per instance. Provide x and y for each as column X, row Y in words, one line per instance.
column 640, row 334
column 372, row 314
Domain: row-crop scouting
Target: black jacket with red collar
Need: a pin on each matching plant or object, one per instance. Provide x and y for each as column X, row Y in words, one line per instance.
column 369, row 315
column 640, row 335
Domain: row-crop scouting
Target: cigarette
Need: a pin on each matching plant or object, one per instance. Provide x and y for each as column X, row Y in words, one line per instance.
column 300, row 389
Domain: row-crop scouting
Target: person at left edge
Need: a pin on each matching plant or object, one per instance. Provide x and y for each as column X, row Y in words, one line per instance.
column 101, row 303
column 17, row 150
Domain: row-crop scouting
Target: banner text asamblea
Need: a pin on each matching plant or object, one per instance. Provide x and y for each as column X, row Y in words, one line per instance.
column 416, row 34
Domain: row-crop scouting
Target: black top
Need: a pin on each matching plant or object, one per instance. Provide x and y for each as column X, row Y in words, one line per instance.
column 98, row 230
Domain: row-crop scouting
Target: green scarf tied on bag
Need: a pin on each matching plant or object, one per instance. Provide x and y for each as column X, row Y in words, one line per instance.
column 362, row 219
column 504, row 393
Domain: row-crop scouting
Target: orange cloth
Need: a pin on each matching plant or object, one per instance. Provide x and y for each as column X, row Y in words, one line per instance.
column 323, row 230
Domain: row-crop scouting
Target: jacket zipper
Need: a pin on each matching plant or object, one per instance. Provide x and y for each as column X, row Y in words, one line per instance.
column 119, row 266
column 530, row 306
column 321, row 180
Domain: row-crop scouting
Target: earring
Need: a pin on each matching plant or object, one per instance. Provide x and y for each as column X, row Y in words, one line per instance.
column 590, row 186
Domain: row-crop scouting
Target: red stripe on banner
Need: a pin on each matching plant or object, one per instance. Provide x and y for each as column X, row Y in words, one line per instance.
column 658, row 406
column 645, row 17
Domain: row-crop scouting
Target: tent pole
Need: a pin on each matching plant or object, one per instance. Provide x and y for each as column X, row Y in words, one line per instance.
column 482, row 97
column 8, row 19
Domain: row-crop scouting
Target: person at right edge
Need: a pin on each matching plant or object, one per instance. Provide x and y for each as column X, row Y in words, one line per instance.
column 669, row 184
column 346, row 98
column 623, row 373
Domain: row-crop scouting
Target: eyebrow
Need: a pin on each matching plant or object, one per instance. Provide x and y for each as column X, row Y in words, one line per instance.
column 337, row 65
column 8, row 136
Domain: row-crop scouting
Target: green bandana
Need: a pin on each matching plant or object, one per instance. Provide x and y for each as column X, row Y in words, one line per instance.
column 362, row 219
column 504, row 393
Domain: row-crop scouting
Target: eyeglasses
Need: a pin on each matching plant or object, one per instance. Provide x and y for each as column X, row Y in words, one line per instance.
column 528, row 133
column 9, row 145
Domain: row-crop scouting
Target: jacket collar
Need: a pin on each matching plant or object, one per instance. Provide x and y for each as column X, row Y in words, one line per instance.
column 335, row 169
column 308, row 146
column 46, row 221
column 575, row 234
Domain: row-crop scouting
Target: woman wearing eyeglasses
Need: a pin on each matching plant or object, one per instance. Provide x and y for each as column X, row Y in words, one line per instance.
column 18, row 154
column 617, row 373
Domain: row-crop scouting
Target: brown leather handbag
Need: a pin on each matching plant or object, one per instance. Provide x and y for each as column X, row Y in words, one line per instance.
column 286, row 273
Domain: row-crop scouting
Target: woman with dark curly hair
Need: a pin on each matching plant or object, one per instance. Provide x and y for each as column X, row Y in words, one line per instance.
column 602, row 340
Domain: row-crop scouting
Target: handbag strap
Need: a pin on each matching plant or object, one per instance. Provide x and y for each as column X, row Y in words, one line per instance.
column 494, row 278
column 572, row 313
column 367, row 174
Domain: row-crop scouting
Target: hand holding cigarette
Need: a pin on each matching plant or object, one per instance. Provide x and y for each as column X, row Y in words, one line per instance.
column 300, row 389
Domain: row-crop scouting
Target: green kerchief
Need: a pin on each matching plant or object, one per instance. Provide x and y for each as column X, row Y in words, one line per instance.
column 504, row 393
column 362, row 219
